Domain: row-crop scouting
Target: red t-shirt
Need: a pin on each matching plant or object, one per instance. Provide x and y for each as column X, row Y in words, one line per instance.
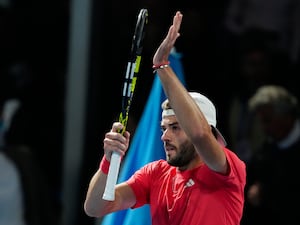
column 193, row 197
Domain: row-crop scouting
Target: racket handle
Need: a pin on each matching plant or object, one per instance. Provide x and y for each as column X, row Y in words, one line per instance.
column 112, row 176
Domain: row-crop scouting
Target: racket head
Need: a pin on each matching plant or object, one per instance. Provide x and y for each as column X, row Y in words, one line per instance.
column 139, row 34
column 133, row 65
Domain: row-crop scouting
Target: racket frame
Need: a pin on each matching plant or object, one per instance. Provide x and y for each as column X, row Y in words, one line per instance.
column 129, row 85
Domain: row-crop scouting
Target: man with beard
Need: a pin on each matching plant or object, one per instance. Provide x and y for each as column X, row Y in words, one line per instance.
column 200, row 182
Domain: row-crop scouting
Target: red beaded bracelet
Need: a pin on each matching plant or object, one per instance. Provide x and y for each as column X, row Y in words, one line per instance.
column 104, row 165
column 161, row 66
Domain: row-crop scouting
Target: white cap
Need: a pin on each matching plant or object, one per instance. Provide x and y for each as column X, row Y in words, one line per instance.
column 209, row 111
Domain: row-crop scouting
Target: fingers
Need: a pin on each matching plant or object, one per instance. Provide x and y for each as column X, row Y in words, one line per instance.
column 163, row 51
column 117, row 126
column 176, row 24
column 173, row 33
column 114, row 141
column 177, row 21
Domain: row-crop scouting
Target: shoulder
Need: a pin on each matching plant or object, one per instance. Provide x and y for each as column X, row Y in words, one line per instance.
column 233, row 157
column 149, row 173
column 153, row 169
column 236, row 165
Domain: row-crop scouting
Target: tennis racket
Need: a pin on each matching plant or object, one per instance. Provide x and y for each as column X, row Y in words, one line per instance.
column 132, row 71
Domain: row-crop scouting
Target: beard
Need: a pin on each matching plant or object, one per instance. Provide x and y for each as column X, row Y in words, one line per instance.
column 185, row 154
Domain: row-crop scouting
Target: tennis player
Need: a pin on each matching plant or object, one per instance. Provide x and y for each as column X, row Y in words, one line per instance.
column 201, row 182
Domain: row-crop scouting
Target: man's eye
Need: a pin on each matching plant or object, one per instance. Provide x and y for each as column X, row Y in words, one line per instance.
column 175, row 128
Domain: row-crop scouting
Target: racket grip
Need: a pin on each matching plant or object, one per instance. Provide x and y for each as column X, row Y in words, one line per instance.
column 112, row 176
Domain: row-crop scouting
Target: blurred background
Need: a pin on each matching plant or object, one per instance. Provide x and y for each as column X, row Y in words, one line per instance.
column 63, row 62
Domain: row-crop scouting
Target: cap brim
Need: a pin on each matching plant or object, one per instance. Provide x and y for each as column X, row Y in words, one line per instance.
column 220, row 137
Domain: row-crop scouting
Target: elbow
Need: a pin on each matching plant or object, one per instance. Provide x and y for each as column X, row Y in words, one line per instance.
column 92, row 211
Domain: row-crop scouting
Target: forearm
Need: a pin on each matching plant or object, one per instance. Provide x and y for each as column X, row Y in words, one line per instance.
column 94, row 205
column 193, row 121
column 187, row 112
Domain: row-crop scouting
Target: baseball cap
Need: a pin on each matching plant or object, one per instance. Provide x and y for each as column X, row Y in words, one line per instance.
column 209, row 111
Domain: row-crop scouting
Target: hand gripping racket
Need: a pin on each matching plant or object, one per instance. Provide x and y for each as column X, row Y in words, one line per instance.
column 128, row 90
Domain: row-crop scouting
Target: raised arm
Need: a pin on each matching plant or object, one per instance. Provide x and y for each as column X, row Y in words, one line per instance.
column 190, row 118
